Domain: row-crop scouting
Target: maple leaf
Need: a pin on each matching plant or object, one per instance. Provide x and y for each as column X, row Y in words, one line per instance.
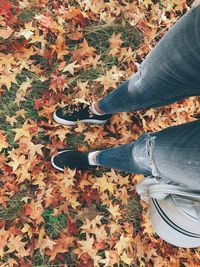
column 58, row 82
column 80, row 127
column 46, row 243
column 62, row 132
column 6, row 33
column 19, row 132
column 70, row 196
column 76, row 36
column 61, row 36
column 37, row 38
column 34, row 210
column 72, row 227
column 123, row 243
column 123, row 195
column 15, row 243
column 21, row 112
column 17, row 160
column 91, row 138
column 68, row 177
column 126, row 259
column 84, row 51
column 115, row 43
column 87, row 246
column 110, row 79
column 8, row 76
column 89, row 224
column 100, row 234
column 111, row 258
column 102, row 184
column 5, row 8
column 76, row 16
column 89, row 197
column 147, row 225
column 27, row 32
column 62, row 246
column 27, row 229
column 21, row 92
column 60, row 48
column 27, row 146
column 11, row 120
column 114, row 228
column 9, row 263
column 114, row 210
column 71, row 67
column 45, row 21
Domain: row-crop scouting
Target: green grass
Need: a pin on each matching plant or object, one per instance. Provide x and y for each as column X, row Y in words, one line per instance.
column 9, row 107
column 134, row 210
column 27, row 15
column 54, row 225
column 43, row 261
column 97, row 36
column 13, row 207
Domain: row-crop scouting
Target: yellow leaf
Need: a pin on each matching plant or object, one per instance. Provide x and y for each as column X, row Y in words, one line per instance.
column 19, row 132
column 123, row 243
column 11, row 120
column 27, row 32
column 102, row 184
column 27, row 229
column 114, row 210
column 125, row 258
column 71, row 67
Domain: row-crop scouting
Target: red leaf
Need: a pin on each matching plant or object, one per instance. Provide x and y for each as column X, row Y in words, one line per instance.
column 5, row 8
column 90, row 196
column 72, row 227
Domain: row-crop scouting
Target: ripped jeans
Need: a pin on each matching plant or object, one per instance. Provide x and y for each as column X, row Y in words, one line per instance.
column 170, row 72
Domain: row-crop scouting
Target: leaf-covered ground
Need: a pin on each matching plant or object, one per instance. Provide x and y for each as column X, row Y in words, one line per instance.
column 59, row 52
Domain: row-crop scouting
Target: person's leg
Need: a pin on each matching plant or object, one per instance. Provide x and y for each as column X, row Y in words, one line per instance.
column 119, row 158
column 173, row 154
column 169, row 73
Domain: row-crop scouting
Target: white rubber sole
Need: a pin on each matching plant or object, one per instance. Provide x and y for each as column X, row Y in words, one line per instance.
column 53, row 164
column 71, row 123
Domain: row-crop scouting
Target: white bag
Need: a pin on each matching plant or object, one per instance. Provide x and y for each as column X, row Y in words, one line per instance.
column 174, row 211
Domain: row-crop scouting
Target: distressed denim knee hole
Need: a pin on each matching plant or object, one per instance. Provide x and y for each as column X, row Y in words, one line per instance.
column 150, row 147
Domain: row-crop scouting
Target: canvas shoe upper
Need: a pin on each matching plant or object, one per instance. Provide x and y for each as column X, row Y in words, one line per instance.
column 71, row 114
column 71, row 159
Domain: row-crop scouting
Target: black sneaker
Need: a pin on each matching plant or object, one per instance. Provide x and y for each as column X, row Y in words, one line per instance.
column 72, row 159
column 71, row 114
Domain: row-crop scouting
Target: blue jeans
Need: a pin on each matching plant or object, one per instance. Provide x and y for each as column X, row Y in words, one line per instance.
column 169, row 73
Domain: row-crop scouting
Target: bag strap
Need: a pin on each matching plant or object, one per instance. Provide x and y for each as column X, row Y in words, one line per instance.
column 160, row 191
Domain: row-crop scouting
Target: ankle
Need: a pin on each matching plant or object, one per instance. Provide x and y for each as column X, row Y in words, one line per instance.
column 96, row 109
column 92, row 157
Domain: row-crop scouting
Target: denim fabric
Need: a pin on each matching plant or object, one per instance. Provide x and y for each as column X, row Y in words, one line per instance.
column 173, row 154
column 176, row 154
column 121, row 158
column 170, row 72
